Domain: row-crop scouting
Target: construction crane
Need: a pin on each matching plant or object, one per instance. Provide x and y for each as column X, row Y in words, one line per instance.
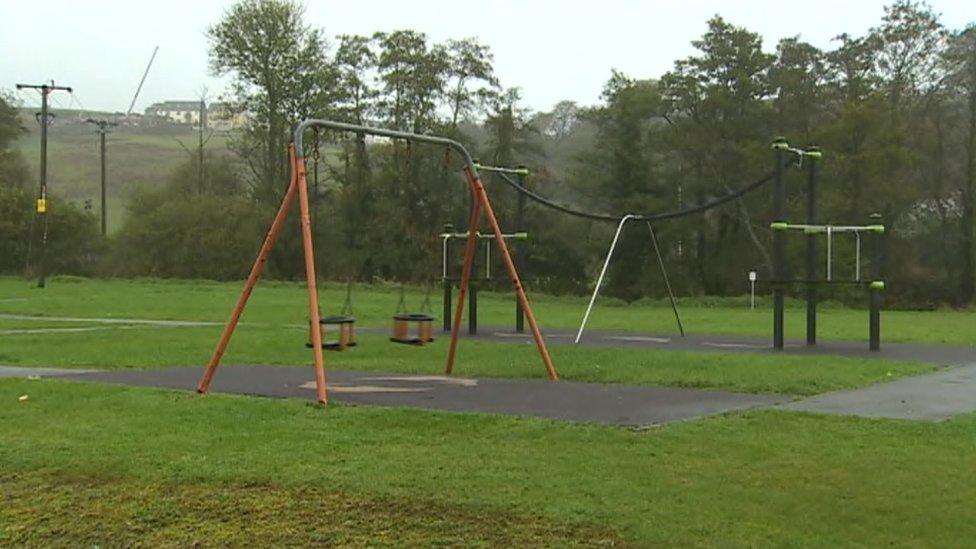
column 141, row 82
column 103, row 126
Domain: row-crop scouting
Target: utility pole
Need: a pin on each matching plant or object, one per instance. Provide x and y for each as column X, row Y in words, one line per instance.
column 102, row 128
column 44, row 119
column 203, row 126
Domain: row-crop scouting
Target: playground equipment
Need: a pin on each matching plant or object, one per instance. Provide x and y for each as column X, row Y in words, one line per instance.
column 344, row 322
column 649, row 219
column 403, row 320
column 606, row 264
column 448, row 281
column 298, row 185
column 875, row 231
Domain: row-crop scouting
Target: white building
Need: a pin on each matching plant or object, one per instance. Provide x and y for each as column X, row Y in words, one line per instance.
column 178, row 112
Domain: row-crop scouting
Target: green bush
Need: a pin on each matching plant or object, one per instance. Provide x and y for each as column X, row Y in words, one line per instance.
column 73, row 242
column 203, row 236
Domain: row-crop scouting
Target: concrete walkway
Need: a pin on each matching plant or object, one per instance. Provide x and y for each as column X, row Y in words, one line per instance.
column 931, row 397
column 26, row 371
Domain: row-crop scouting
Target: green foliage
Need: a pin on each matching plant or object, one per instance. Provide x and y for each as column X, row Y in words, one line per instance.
column 280, row 74
column 73, row 243
column 13, row 169
column 182, row 230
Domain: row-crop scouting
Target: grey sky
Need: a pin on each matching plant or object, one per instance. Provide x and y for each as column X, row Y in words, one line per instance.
column 553, row 50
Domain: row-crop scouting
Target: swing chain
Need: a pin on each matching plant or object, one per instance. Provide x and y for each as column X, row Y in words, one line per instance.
column 402, row 304
column 315, row 145
column 425, row 306
column 347, row 305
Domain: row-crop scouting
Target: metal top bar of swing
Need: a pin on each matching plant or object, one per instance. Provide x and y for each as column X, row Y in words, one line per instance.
column 299, row 135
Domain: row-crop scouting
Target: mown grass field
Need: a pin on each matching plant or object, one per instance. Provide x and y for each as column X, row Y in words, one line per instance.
column 273, row 332
column 100, row 465
column 275, row 302
column 88, row 464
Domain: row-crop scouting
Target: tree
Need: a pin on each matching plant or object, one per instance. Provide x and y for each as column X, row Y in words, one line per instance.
column 469, row 63
column 281, row 74
column 719, row 106
column 413, row 76
column 962, row 55
column 797, row 80
column 13, row 170
column 563, row 119
column 354, row 60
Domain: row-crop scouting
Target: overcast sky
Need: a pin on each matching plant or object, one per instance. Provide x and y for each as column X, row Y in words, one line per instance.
column 553, row 50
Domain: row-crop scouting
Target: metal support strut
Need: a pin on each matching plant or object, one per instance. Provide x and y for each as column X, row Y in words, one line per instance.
column 606, row 265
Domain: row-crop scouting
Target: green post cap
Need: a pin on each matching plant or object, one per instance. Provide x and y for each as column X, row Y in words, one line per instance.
column 522, row 170
column 876, row 228
column 813, row 152
column 779, row 225
column 780, row 143
column 521, row 236
column 877, row 285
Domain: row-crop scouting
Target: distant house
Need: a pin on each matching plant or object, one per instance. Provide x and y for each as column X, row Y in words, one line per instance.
column 179, row 112
column 222, row 117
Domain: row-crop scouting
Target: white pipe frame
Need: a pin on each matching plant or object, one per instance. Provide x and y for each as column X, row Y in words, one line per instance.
column 603, row 272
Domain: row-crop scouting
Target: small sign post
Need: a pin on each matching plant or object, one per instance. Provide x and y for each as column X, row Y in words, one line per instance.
column 752, row 290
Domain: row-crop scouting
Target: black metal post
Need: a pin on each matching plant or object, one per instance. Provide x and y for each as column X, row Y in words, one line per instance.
column 779, row 147
column 519, row 252
column 876, row 286
column 813, row 155
column 667, row 282
column 448, row 291
column 472, row 308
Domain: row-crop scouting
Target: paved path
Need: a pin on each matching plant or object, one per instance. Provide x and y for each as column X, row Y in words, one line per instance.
column 931, row 397
column 947, row 355
column 24, row 371
column 563, row 400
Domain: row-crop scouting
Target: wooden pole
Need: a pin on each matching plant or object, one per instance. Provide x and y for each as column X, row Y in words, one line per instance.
column 465, row 271
column 479, row 190
column 252, row 278
column 313, row 294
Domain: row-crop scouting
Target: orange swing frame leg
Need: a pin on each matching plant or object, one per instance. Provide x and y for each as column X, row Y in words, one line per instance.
column 481, row 201
column 297, row 184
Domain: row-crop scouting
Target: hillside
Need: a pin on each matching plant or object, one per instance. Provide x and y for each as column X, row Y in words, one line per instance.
column 137, row 157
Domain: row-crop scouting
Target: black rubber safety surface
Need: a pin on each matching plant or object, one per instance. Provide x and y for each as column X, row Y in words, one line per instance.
column 562, row 400
column 947, row 355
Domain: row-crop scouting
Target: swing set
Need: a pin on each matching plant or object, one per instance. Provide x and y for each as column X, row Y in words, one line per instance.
column 298, row 188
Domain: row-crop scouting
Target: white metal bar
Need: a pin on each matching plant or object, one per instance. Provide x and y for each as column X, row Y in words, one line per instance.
column 486, row 236
column 487, row 260
column 603, row 272
column 832, row 228
column 857, row 257
column 444, row 258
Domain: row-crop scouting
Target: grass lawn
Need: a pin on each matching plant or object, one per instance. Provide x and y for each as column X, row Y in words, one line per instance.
column 155, row 347
column 273, row 332
column 93, row 465
column 285, row 303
